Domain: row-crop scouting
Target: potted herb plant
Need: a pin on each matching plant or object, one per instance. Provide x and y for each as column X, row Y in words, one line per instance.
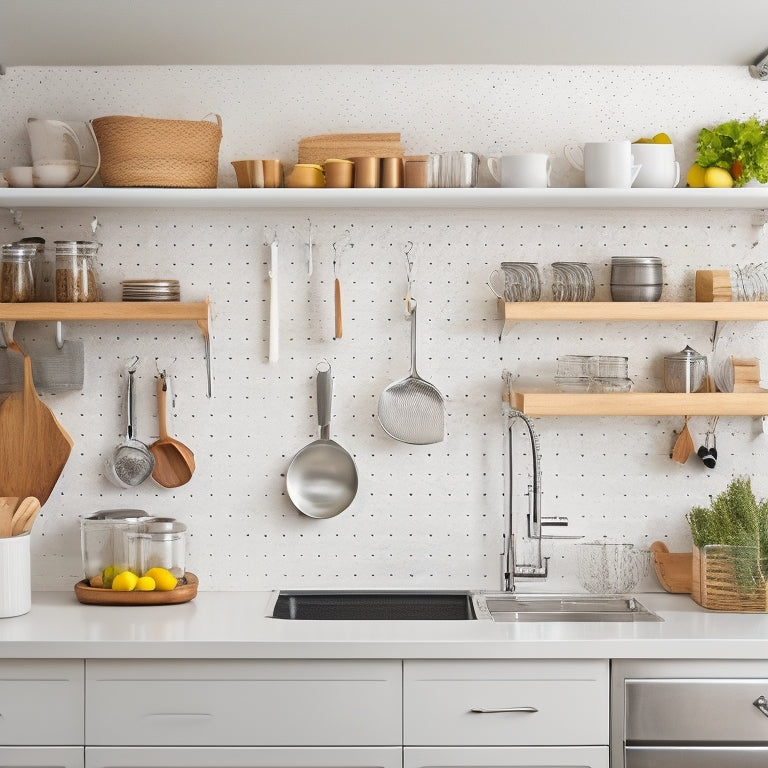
column 730, row 556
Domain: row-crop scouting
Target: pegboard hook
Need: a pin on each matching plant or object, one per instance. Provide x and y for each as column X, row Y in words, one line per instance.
column 17, row 214
column 339, row 246
column 309, row 247
column 410, row 271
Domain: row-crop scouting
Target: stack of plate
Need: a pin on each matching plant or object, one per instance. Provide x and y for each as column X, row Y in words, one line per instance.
column 151, row 290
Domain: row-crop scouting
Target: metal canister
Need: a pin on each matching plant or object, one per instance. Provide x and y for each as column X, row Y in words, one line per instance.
column 685, row 371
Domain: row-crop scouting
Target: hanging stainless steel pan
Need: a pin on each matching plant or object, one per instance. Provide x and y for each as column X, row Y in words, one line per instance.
column 322, row 478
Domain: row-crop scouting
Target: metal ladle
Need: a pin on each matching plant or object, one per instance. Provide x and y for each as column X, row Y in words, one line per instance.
column 131, row 462
column 322, row 477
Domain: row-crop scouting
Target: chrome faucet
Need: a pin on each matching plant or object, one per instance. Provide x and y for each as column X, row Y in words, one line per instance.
column 539, row 569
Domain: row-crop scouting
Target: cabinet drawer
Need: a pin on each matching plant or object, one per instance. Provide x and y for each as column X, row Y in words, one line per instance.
column 505, row 757
column 243, row 757
column 505, row 702
column 41, row 757
column 240, row 702
column 716, row 710
column 41, row 702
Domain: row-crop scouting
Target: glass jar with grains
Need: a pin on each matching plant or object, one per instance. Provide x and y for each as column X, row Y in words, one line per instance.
column 17, row 278
column 75, row 271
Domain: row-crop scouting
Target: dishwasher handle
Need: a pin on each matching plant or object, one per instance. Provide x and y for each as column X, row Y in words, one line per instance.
column 762, row 704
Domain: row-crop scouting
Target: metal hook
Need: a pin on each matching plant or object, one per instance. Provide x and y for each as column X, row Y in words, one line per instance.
column 338, row 249
column 94, row 224
column 59, row 336
column 309, row 247
column 17, row 214
column 133, row 364
column 410, row 268
column 274, row 236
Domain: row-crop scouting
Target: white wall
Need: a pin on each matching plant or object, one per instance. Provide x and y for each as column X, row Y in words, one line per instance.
column 424, row 516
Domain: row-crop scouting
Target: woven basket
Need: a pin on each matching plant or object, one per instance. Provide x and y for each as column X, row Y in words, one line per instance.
column 149, row 152
column 715, row 584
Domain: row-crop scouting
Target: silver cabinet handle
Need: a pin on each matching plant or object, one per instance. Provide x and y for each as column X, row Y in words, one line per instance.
column 762, row 704
column 484, row 711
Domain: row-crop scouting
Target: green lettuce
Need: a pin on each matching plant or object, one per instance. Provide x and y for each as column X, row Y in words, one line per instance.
column 736, row 142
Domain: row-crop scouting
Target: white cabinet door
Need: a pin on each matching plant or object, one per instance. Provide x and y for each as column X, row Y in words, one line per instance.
column 505, row 757
column 505, row 702
column 41, row 757
column 244, row 702
column 41, row 702
column 243, row 757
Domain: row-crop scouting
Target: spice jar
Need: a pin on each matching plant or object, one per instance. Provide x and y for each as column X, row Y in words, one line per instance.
column 17, row 278
column 75, row 271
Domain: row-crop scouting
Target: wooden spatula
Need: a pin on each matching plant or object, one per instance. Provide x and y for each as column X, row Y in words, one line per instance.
column 684, row 446
column 7, row 507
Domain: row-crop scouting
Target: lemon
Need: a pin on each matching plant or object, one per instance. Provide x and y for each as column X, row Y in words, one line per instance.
column 145, row 584
column 695, row 177
column 661, row 138
column 125, row 581
column 643, row 141
column 107, row 575
column 165, row 581
column 717, row 177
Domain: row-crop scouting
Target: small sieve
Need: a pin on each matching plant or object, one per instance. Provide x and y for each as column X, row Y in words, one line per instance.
column 131, row 462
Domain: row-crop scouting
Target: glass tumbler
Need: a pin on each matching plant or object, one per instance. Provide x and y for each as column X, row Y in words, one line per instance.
column 159, row 543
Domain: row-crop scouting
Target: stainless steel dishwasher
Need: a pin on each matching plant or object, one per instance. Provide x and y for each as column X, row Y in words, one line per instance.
column 689, row 714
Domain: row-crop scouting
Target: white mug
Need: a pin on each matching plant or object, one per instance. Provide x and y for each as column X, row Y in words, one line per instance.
column 527, row 170
column 658, row 167
column 54, row 142
column 19, row 176
column 605, row 163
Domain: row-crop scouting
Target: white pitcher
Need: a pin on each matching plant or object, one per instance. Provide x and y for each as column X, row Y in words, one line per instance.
column 55, row 149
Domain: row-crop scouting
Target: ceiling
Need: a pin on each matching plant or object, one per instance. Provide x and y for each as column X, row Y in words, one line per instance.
column 466, row 32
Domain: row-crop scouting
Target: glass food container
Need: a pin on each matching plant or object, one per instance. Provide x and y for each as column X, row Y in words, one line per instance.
column 17, row 277
column 158, row 543
column 104, row 545
column 76, row 278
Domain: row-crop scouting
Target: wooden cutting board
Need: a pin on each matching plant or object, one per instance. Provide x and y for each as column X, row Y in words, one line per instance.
column 34, row 447
column 674, row 570
column 318, row 149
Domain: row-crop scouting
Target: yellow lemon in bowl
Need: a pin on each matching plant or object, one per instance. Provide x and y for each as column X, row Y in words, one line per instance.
column 164, row 580
column 145, row 584
column 661, row 138
column 125, row 581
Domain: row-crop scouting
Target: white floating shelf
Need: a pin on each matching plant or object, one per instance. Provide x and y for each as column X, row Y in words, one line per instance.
column 571, row 197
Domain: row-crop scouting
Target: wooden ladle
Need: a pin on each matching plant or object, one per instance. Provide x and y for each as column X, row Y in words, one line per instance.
column 25, row 515
column 174, row 462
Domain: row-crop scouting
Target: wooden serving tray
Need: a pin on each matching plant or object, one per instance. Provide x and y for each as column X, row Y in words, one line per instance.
column 89, row 595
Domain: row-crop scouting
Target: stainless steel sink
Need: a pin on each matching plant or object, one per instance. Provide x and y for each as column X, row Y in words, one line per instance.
column 396, row 605
column 505, row 606
column 371, row 606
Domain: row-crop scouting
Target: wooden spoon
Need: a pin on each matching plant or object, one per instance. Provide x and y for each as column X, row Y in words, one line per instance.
column 684, row 446
column 174, row 462
column 7, row 506
column 25, row 515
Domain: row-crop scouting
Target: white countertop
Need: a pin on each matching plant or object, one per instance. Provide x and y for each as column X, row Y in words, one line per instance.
column 234, row 625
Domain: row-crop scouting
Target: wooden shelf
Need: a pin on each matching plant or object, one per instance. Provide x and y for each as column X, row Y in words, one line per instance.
column 511, row 312
column 476, row 198
column 641, row 404
column 109, row 311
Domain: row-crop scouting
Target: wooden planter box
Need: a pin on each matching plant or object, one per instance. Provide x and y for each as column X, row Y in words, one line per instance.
column 729, row 579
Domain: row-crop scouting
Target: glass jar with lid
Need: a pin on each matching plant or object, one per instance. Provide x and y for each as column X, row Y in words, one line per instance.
column 75, row 271
column 17, row 277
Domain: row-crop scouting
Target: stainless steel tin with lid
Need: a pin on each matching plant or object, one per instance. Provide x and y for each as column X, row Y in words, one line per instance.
column 685, row 371
column 636, row 278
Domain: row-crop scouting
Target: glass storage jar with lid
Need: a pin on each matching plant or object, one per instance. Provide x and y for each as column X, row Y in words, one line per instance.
column 75, row 271
column 17, row 277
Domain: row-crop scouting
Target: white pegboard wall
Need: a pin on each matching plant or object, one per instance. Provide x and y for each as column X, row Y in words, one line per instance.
column 424, row 515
